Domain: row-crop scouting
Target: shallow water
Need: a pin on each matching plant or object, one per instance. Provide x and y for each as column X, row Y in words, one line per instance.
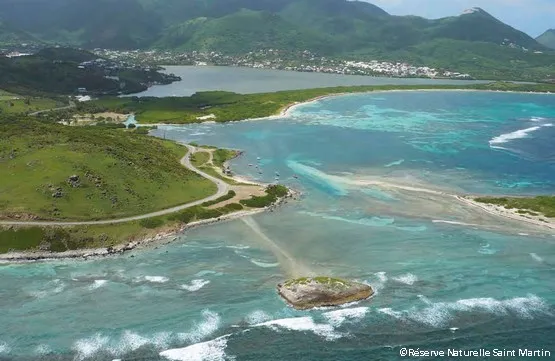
column 249, row 80
column 377, row 172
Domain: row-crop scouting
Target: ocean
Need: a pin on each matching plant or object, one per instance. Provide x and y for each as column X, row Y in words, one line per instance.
column 377, row 173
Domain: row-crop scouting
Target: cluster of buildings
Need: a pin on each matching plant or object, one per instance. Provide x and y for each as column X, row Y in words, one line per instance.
column 304, row 61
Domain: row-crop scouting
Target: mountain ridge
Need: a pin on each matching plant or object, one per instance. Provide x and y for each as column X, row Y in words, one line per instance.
column 330, row 28
column 547, row 39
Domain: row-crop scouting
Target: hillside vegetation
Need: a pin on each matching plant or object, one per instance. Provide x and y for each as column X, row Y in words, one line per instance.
column 54, row 172
column 547, row 38
column 474, row 41
column 58, row 71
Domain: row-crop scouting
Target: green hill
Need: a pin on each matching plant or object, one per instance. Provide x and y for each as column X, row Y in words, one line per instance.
column 547, row 38
column 119, row 173
column 9, row 35
column 60, row 71
column 331, row 28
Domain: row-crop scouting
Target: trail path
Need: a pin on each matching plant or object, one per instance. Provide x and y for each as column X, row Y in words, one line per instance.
column 70, row 106
column 223, row 189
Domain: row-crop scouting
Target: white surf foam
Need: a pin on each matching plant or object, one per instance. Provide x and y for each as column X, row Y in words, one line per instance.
column 537, row 119
column 536, row 257
column 87, row 347
column 452, row 222
column 195, row 285
column 392, row 164
column 379, row 282
column 156, row 279
column 4, row 348
column 302, row 324
column 43, row 350
column 213, row 350
column 408, row 279
column 264, row 264
column 257, row 317
column 518, row 134
column 338, row 317
column 97, row 284
column 209, row 324
column 440, row 313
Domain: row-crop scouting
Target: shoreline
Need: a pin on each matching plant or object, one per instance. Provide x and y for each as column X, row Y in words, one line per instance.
column 285, row 112
column 161, row 238
column 503, row 212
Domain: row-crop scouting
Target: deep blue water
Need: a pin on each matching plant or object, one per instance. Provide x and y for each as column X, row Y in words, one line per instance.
column 447, row 276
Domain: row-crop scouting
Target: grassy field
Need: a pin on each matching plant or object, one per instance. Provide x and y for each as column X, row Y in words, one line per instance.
column 9, row 105
column 542, row 205
column 60, row 239
column 200, row 158
column 119, row 173
column 226, row 106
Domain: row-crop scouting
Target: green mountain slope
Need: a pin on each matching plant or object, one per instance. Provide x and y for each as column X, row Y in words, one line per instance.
column 9, row 35
column 60, row 71
column 332, row 28
column 547, row 38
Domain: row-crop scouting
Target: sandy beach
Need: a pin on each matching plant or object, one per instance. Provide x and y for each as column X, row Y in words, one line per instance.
column 500, row 211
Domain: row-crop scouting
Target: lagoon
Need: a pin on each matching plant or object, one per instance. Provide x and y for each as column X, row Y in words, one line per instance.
column 249, row 80
column 445, row 276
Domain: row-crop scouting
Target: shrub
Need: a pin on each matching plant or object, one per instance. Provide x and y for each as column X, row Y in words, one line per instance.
column 151, row 223
column 228, row 196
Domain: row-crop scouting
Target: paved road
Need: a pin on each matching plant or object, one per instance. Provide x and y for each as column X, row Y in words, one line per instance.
column 223, row 189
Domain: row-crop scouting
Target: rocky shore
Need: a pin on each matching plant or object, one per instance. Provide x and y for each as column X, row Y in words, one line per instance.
column 307, row 293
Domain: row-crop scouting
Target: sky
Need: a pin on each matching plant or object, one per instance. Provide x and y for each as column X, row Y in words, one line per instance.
column 531, row 16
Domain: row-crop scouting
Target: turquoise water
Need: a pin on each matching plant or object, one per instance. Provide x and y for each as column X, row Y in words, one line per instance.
column 376, row 172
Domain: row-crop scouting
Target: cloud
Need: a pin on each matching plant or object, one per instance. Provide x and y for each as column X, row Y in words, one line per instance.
column 531, row 16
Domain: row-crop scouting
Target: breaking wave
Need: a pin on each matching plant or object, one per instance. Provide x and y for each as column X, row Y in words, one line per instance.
column 302, row 324
column 156, row 279
column 338, row 317
column 213, row 350
column 518, row 134
column 408, row 279
column 440, row 313
column 195, row 285
column 131, row 341
column 97, row 284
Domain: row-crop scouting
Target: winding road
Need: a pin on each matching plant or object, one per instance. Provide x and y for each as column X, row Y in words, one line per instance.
column 223, row 189
column 70, row 106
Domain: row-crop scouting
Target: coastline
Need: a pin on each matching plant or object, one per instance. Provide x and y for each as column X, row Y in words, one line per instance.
column 161, row 237
column 145, row 243
column 513, row 214
column 285, row 112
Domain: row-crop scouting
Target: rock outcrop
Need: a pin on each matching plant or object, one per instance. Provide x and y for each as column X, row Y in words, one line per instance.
column 306, row 293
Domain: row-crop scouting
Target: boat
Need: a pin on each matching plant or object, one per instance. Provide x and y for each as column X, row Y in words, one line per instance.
column 295, row 176
column 250, row 165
